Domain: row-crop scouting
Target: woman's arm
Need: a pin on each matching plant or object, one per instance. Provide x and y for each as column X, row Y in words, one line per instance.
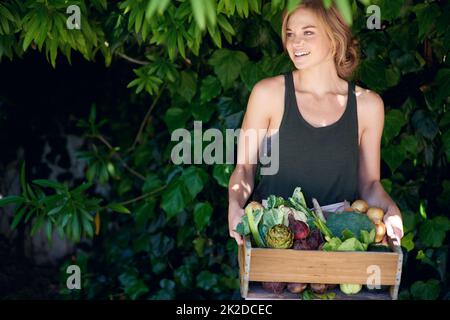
column 370, row 188
column 256, row 123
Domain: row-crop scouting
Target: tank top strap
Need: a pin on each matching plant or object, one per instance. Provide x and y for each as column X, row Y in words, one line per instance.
column 289, row 95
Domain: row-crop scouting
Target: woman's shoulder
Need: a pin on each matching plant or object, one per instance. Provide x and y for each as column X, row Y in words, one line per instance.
column 367, row 97
column 268, row 95
column 370, row 107
column 269, row 85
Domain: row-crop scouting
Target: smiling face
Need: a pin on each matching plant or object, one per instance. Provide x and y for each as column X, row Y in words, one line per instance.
column 306, row 40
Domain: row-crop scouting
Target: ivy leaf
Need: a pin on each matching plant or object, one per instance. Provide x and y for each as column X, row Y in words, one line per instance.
column 183, row 276
column 202, row 214
column 425, row 124
column 210, row 88
column 426, row 290
column 407, row 241
column 394, row 121
column 194, row 180
column 426, row 16
column 227, row 65
column 199, row 246
column 390, row 8
column 133, row 286
column 167, row 291
column 222, row 174
column 443, row 81
column 175, row 198
column 432, row 232
column 176, row 118
column 187, row 85
column 368, row 69
column 206, row 280
column 394, row 156
column 410, row 144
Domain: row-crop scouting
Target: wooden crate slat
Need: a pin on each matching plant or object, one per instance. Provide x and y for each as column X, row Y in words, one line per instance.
column 257, row 292
column 289, row 265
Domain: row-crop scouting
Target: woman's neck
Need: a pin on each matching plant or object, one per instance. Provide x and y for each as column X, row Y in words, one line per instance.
column 319, row 80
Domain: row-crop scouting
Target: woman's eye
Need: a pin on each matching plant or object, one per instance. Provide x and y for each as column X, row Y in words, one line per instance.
column 309, row 33
column 290, row 34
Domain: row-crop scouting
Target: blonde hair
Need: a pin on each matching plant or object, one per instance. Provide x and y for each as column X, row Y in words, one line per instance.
column 344, row 45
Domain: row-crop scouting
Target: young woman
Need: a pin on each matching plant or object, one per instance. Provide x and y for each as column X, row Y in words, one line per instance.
column 329, row 130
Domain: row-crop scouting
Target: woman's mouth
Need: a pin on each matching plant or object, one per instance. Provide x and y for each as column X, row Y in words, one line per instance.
column 299, row 54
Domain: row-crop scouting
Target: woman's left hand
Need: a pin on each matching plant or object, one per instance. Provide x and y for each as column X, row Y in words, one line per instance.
column 394, row 224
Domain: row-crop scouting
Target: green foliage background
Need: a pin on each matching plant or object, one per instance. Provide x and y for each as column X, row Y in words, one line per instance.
column 198, row 60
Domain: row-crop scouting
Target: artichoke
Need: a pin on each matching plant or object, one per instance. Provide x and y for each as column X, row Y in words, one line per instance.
column 279, row 237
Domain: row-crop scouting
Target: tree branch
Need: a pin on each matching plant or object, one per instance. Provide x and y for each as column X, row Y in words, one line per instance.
column 119, row 157
column 130, row 59
column 145, row 120
column 143, row 196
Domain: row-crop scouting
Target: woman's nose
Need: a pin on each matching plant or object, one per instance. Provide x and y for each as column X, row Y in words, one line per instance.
column 299, row 41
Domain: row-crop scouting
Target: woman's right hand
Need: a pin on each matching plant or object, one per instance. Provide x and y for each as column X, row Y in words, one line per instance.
column 235, row 213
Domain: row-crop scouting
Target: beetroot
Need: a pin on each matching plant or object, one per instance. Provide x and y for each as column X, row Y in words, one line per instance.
column 274, row 287
column 301, row 245
column 314, row 240
column 298, row 228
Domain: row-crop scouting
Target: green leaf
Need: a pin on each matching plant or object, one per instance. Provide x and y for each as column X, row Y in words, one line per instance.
column 425, row 124
column 18, row 217
column 368, row 69
column 227, row 65
column 206, row 280
column 175, row 198
column 176, row 118
column 443, row 82
column 210, row 88
column 426, row 16
column 390, row 9
column 202, row 215
column 222, row 174
column 198, row 11
column 394, row 122
column 432, row 232
column 407, row 241
column 117, row 207
column 351, row 244
column 344, row 8
column 49, row 184
column 183, row 276
column 11, row 199
column 394, row 156
column 152, row 182
column 426, row 290
column 410, row 144
column 199, row 246
column 194, row 180
column 225, row 25
column 387, row 185
column 145, row 212
column 187, row 85
column 156, row 6
column 133, row 286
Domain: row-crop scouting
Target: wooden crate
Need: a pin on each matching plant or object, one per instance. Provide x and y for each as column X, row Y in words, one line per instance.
column 287, row 265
